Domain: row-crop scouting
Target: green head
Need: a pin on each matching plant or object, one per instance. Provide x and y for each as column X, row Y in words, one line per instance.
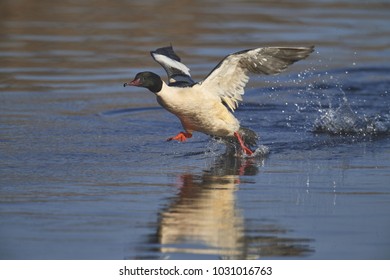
column 148, row 80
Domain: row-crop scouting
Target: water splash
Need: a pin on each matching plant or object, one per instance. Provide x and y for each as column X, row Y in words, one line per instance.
column 364, row 113
column 345, row 121
column 261, row 151
column 232, row 148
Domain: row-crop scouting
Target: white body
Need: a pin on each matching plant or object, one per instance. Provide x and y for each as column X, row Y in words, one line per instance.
column 198, row 110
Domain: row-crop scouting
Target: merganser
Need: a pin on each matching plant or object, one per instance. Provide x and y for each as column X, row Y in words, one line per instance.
column 208, row 106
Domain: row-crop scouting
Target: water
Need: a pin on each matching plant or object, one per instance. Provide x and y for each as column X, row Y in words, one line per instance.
column 85, row 169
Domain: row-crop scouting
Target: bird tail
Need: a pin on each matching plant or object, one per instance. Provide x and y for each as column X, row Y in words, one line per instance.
column 248, row 136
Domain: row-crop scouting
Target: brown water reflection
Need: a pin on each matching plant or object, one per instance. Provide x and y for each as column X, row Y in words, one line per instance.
column 81, row 34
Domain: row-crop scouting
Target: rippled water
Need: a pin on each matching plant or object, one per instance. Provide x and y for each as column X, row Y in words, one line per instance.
column 85, row 169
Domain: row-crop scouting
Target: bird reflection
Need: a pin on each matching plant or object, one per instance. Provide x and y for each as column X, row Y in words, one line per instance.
column 203, row 218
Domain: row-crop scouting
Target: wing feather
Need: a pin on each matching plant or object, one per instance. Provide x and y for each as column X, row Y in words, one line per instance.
column 177, row 72
column 229, row 78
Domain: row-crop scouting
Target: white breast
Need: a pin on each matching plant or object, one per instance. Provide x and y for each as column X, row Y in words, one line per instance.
column 198, row 111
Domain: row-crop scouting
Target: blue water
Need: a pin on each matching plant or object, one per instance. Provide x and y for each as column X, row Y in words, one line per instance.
column 86, row 173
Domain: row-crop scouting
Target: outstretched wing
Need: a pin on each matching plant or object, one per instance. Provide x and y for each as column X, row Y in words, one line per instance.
column 230, row 76
column 178, row 73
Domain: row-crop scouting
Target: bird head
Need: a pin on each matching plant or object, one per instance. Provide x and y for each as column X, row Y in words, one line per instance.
column 148, row 80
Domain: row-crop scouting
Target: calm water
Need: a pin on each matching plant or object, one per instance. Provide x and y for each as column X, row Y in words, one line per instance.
column 85, row 172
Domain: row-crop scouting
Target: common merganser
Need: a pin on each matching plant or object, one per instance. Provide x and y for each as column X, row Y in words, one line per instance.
column 208, row 106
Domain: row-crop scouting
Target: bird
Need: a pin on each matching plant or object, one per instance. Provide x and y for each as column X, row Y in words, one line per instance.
column 208, row 106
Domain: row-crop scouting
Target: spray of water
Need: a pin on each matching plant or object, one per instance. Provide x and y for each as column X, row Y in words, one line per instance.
column 342, row 120
column 327, row 93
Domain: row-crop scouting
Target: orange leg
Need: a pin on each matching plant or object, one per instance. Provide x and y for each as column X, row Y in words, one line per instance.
column 247, row 151
column 182, row 136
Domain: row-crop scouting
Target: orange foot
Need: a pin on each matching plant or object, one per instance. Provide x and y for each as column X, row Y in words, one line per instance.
column 182, row 136
column 247, row 151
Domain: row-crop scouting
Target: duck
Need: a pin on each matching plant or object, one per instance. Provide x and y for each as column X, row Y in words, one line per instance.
column 208, row 106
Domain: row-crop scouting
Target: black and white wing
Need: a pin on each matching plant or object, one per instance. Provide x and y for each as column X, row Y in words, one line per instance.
column 178, row 73
column 230, row 76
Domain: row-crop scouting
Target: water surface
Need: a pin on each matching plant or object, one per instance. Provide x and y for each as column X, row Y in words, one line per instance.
column 85, row 172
